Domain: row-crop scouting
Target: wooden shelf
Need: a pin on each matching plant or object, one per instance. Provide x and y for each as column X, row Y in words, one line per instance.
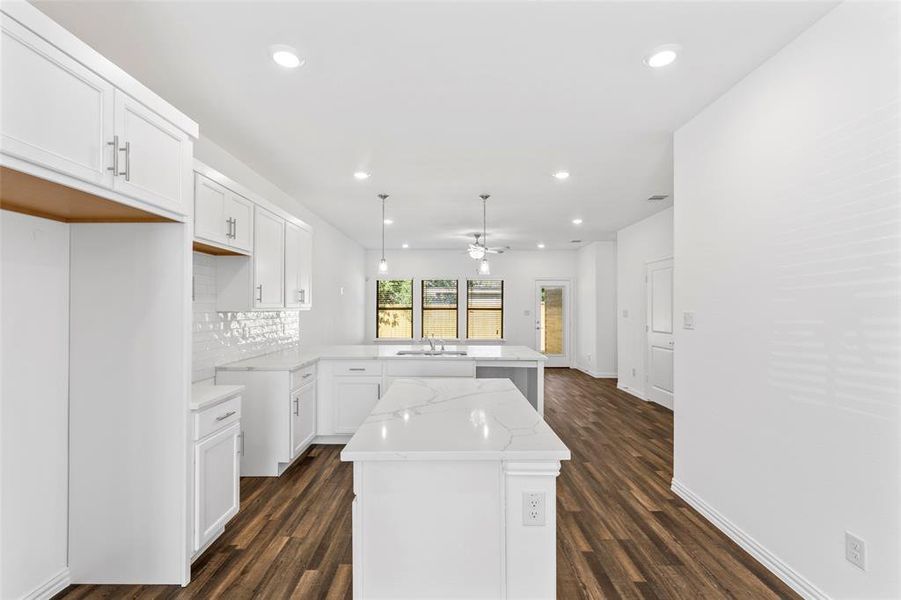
column 23, row 193
column 215, row 250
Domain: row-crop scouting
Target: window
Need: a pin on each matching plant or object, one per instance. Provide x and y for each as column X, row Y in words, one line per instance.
column 485, row 309
column 439, row 308
column 394, row 308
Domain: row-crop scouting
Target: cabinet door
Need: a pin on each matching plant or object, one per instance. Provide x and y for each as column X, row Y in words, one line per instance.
column 303, row 418
column 216, row 483
column 210, row 220
column 56, row 112
column 155, row 157
column 240, row 210
column 306, row 269
column 268, row 259
column 293, row 242
column 354, row 399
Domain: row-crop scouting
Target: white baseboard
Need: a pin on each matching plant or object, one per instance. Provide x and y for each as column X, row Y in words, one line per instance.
column 637, row 393
column 595, row 374
column 332, row 439
column 773, row 563
column 55, row 585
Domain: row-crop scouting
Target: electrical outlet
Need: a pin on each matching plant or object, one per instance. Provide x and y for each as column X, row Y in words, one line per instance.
column 855, row 551
column 633, row 372
column 625, row 313
column 688, row 320
column 533, row 504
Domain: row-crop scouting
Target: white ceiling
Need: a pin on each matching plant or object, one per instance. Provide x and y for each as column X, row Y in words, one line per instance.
column 443, row 101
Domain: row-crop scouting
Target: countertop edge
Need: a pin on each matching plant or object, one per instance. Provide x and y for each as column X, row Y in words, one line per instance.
column 215, row 396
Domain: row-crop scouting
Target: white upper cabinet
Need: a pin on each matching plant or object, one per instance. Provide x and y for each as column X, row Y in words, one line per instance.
column 154, row 157
column 221, row 216
column 71, row 116
column 298, row 264
column 56, row 112
column 240, row 210
column 210, row 222
column 268, row 259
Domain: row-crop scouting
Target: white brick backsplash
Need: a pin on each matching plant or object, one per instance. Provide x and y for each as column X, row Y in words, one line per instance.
column 223, row 337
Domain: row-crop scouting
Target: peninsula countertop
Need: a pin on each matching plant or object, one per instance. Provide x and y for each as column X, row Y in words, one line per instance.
column 454, row 419
column 288, row 360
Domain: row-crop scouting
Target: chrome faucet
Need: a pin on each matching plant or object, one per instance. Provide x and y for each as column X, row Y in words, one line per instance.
column 431, row 343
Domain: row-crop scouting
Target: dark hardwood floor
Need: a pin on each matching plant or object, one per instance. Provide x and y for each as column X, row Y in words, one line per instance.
column 621, row 532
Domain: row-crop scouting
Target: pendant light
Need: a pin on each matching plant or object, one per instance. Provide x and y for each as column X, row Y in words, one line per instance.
column 484, row 267
column 383, row 264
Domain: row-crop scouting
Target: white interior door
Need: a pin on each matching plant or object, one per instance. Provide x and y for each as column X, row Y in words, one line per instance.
column 659, row 278
column 552, row 321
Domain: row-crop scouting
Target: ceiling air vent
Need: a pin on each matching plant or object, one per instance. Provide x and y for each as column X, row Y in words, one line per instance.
column 657, row 197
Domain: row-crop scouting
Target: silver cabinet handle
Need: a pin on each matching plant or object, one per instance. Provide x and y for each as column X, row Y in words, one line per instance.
column 115, row 145
column 379, row 393
column 234, row 227
column 226, row 415
column 260, row 287
column 305, row 375
column 127, row 151
column 303, row 296
column 228, row 228
column 356, row 369
column 241, row 449
column 296, row 406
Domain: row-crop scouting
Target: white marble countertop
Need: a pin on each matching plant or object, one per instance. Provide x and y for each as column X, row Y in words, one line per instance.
column 454, row 419
column 288, row 360
column 205, row 394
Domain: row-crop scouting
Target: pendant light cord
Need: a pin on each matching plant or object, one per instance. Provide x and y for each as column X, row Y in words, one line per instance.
column 383, row 228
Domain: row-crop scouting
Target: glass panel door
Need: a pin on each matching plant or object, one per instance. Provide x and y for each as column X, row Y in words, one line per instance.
column 552, row 321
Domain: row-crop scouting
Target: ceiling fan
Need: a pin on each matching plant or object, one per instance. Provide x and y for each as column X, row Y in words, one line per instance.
column 479, row 249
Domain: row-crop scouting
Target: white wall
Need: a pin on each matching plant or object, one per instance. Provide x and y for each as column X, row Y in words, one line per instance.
column 518, row 269
column 338, row 276
column 34, row 370
column 595, row 309
column 636, row 245
column 787, row 249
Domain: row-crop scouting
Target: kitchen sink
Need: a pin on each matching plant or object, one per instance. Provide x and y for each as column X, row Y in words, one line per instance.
column 431, row 353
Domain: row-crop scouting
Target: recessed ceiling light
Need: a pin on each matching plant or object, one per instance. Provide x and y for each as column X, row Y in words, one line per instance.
column 361, row 175
column 389, row 221
column 577, row 221
column 405, row 245
column 562, row 174
column 540, row 245
column 662, row 56
column 286, row 56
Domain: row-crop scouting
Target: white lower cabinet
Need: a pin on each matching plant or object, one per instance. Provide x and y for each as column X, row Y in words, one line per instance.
column 303, row 418
column 353, row 399
column 217, row 471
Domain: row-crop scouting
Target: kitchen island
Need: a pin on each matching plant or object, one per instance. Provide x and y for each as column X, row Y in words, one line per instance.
column 455, row 493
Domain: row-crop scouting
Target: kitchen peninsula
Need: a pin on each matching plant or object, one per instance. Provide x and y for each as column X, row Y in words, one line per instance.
column 455, row 487
column 323, row 394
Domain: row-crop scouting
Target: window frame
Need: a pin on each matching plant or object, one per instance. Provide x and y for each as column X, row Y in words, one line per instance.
column 468, row 309
column 378, row 308
column 423, row 309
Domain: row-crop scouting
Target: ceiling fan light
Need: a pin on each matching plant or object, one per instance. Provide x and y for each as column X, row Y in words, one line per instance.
column 484, row 268
column 476, row 252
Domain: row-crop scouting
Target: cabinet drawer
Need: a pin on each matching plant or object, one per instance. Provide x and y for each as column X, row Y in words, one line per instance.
column 216, row 417
column 363, row 367
column 303, row 376
column 430, row 368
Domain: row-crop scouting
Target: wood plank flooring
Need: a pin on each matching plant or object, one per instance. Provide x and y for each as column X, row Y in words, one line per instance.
column 621, row 532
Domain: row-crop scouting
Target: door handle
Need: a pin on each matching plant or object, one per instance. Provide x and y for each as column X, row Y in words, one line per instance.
column 115, row 145
column 127, row 171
